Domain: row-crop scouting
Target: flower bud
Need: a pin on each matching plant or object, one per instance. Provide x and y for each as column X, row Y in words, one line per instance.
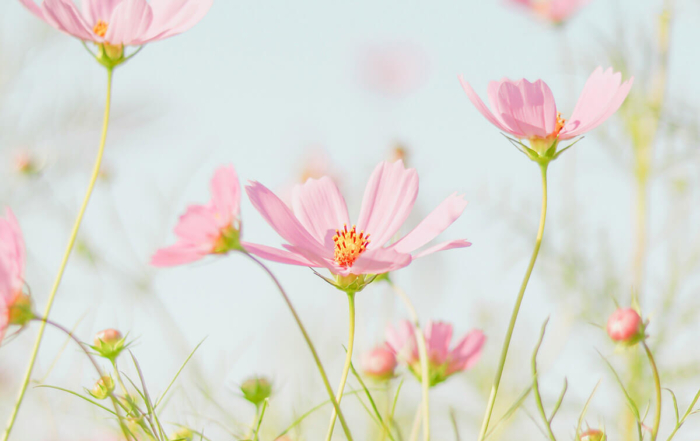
column 103, row 388
column 21, row 311
column 109, row 343
column 593, row 435
column 626, row 326
column 256, row 390
column 379, row 363
column 183, row 434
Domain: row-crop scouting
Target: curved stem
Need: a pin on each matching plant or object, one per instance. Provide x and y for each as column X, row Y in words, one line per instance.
column 422, row 355
column 516, row 308
column 310, row 344
column 64, row 262
column 657, row 387
column 94, row 363
column 348, row 361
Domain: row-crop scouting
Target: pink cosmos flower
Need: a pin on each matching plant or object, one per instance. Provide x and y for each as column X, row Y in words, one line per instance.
column 379, row 363
column 626, row 326
column 527, row 110
column 12, row 262
column 555, row 11
column 438, row 336
column 121, row 22
column 317, row 232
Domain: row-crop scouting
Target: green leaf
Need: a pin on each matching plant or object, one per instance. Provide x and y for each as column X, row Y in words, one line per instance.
column 79, row 396
column 630, row 401
column 371, row 401
column 178, row 374
column 585, row 409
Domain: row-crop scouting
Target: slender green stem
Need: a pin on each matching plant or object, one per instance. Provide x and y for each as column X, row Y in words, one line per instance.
column 536, row 386
column 348, row 362
column 97, row 369
column 657, row 388
column 416, row 425
column 310, row 344
column 423, row 356
column 516, row 309
column 64, row 262
column 251, row 429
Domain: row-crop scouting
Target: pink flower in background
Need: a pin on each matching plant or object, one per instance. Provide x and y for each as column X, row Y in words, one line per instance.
column 438, row 336
column 121, row 22
column 379, row 363
column 12, row 261
column 317, row 232
column 626, row 326
column 555, row 11
column 527, row 110
column 393, row 69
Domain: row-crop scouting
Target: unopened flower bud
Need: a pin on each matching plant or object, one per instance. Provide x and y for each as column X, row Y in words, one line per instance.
column 183, row 434
column 626, row 326
column 21, row 310
column 379, row 363
column 256, row 390
column 109, row 343
column 593, row 435
column 103, row 388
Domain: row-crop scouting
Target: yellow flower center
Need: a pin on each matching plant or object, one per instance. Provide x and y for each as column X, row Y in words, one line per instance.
column 560, row 125
column 349, row 245
column 100, row 28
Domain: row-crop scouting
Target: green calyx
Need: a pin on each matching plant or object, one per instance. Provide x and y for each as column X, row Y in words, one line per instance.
column 352, row 283
column 541, row 151
column 109, row 55
column 110, row 349
column 228, row 241
column 438, row 373
column 103, row 388
column 256, row 390
column 21, row 310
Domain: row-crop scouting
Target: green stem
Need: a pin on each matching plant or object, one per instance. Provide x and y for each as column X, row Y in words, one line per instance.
column 309, row 343
column 516, row 308
column 64, row 262
column 536, row 387
column 657, row 388
column 348, row 362
column 423, row 356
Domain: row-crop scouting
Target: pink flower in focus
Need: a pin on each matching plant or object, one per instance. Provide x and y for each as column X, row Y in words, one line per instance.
column 626, row 326
column 438, row 336
column 379, row 363
column 121, row 22
column 554, row 11
column 207, row 229
column 527, row 110
column 317, row 232
column 12, row 261
column 393, row 69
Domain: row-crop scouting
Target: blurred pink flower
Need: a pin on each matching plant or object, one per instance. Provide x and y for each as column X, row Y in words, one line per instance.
column 12, row 261
column 317, row 228
column 626, row 326
column 379, row 363
column 527, row 110
column 207, row 229
column 438, row 336
column 555, row 11
column 121, row 22
column 393, row 69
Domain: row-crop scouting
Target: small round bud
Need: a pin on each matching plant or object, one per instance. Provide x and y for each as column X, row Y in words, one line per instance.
column 379, row 363
column 103, row 388
column 183, row 434
column 21, row 310
column 109, row 344
column 625, row 326
column 108, row 336
column 256, row 390
column 593, row 435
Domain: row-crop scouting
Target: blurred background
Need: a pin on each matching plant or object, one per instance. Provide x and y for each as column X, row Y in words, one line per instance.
column 285, row 91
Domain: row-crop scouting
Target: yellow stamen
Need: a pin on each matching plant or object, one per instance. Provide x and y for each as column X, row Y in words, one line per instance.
column 349, row 245
column 100, row 28
column 560, row 124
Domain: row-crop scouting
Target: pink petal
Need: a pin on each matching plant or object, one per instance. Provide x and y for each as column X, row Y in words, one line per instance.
column 4, row 318
column 387, row 202
column 320, row 208
column 198, row 225
column 443, row 246
column 226, row 195
column 279, row 217
column 129, row 22
column 172, row 17
column 63, row 15
column 467, row 352
column 276, row 255
column 95, row 10
column 560, row 10
column 379, row 261
column 402, row 341
column 33, row 8
column 529, row 107
column 178, row 254
column 601, row 97
column 12, row 256
column 481, row 107
column 435, row 223
column 438, row 336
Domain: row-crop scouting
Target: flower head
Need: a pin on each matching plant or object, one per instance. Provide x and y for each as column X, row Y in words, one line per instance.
column 102, row 388
column 593, row 435
column 15, row 307
column 256, row 390
column 626, row 326
column 527, row 110
column 443, row 361
column 109, row 344
column 379, row 363
column 554, row 11
column 207, row 229
column 320, row 235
